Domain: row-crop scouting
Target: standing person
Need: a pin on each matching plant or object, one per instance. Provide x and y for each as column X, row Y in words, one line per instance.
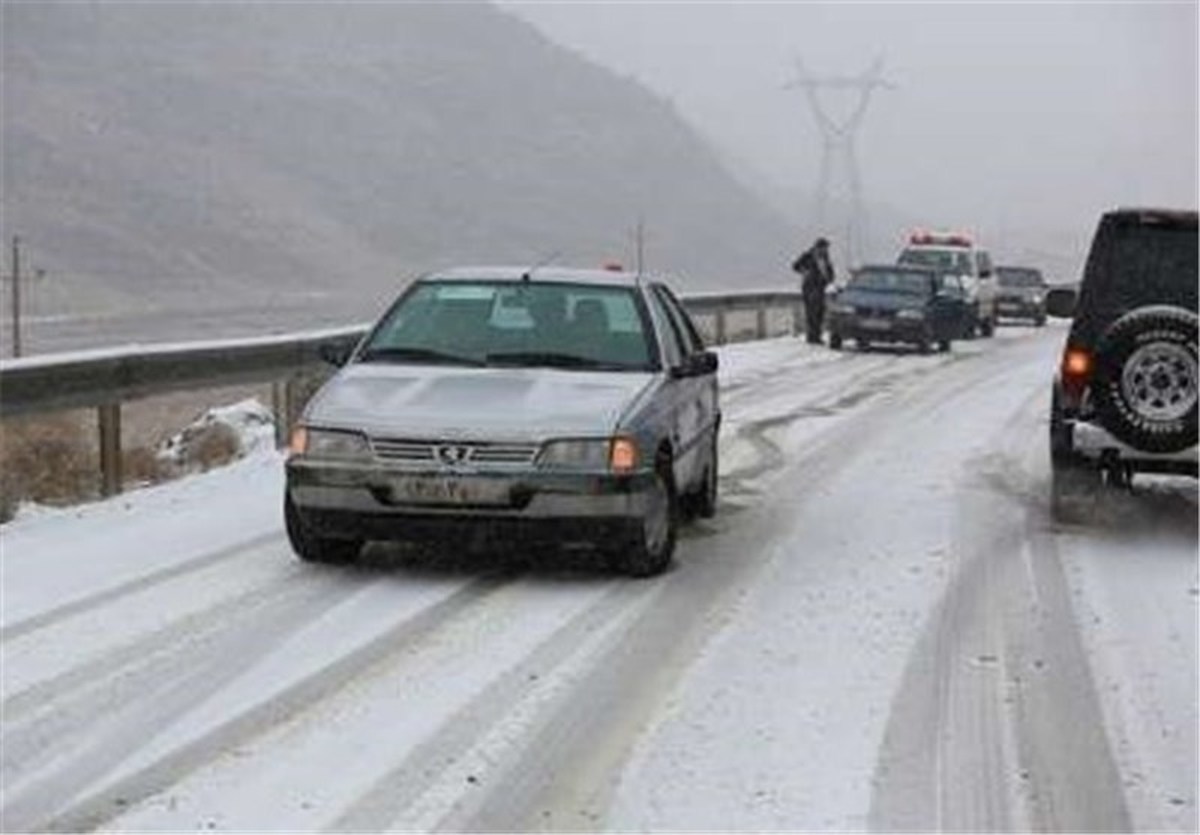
column 816, row 273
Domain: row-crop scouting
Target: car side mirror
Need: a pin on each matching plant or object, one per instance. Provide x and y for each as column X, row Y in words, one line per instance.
column 335, row 353
column 696, row 365
column 1060, row 302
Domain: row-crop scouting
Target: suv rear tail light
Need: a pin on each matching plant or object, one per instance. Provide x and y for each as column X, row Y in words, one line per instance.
column 1077, row 366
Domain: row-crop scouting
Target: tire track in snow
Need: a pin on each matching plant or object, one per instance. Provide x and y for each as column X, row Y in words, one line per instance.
column 123, row 698
column 956, row 754
column 100, row 805
column 106, row 596
column 427, row 763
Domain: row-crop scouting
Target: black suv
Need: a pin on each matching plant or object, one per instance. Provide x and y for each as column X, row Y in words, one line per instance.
column 896, row 303
column 1124, row 398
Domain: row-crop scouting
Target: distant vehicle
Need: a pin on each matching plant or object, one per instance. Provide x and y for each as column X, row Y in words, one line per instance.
column 893, row 303
column 954, row 252
column 1021, row 294
column 551, row 405
column 1124, row 398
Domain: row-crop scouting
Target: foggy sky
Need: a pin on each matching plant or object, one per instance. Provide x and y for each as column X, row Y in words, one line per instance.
column 1020, row 121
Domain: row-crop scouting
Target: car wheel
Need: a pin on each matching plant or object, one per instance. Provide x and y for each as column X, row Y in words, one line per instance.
column 835, row 341
column 653, row 538
column 1039, row 322
column 313, row 548
column 864, row 344
column 1146, row 380
column 925, row 343
column 943, row 345
column 987, row 327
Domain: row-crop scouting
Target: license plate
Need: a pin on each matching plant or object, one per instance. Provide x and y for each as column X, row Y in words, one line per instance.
column 449, row 490
column 876, row 324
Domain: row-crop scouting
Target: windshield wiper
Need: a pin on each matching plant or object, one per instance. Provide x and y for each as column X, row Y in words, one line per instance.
column 552, row 360
column 400, row 354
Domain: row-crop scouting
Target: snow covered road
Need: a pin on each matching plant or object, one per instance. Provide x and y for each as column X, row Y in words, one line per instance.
column 880, row 629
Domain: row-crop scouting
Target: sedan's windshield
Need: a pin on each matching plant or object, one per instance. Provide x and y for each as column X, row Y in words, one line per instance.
column 506, row 323
column 891, row 282
column 946, row 260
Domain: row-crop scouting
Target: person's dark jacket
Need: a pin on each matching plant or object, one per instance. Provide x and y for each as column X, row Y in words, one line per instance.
column 816, row 272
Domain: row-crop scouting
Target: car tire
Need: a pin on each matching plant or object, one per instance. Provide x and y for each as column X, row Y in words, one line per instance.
column 925, row 343
column 652, row 540
column 1039, row 322
column 706, row 498
column 835, row 341
column 1146, row 380
column 987, row 327
column 310, row 547
column 864, row 344
column 943, row 345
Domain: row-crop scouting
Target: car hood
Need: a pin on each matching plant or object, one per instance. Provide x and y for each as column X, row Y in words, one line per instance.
column 881, row 301
column 480, row 403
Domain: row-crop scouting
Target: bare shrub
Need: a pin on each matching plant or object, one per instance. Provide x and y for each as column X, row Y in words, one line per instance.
column 49, row 459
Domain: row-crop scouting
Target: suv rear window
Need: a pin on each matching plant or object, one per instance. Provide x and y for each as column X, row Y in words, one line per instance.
column 1134, row 263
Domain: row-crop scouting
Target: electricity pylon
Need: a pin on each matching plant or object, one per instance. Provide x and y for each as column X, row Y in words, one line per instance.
column 837, row 149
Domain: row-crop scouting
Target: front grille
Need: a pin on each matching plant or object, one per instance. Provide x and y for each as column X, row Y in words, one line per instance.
column 875, row 312
column 453, row 453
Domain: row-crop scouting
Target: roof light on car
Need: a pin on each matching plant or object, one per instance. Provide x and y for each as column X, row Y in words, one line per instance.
column 623, row 455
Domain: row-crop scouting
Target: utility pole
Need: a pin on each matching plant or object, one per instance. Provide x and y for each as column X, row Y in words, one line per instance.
column 838, row 147
column 16, row 296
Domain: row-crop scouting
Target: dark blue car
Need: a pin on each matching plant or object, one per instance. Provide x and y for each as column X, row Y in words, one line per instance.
column 894, row 303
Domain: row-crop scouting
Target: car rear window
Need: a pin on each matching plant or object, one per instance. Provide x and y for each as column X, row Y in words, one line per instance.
column 516, row 323
column 958, row 260
column 899, row 281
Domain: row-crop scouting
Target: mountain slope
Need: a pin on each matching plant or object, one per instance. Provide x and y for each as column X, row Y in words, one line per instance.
column 182, row 154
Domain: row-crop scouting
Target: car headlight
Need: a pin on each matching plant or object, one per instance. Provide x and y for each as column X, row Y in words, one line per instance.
column 1037, row 298
column 911, row 314
column 616, row 454
column 329, row 443
column 843, row 309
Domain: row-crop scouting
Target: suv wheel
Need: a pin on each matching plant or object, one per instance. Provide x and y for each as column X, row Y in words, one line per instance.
column 653, row 541
column 1146, row 379
column 313, row 548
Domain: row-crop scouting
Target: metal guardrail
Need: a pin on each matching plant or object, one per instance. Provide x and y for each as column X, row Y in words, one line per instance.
column 105, row 379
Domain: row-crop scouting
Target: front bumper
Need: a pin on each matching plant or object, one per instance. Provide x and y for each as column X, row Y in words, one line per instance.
column 1020, row 309
column 890, row 329
column 366, row 501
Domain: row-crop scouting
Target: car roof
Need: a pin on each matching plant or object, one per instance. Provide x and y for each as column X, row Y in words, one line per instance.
column 569, row 275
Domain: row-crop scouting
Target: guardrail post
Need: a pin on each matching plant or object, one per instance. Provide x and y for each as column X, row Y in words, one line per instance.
column 282, row 414
column 110, row 448
column 760, row 322
column 720, row 327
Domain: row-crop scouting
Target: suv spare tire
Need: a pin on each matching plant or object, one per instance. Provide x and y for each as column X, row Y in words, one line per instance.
column 1145, row 386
